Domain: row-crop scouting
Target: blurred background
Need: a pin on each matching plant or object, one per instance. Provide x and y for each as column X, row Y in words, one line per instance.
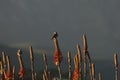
column 32, row 22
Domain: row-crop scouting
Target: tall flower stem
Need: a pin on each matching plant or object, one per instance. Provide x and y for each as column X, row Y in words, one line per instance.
column 32, row 62
column 57, row 55
column 116, row 66
column 59, row 70
column 69, row 64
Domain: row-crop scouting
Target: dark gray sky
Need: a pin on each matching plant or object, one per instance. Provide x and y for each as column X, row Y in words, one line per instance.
column 34, row 21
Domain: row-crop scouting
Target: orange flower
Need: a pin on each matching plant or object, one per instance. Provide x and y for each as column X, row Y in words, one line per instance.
column 9, row 75
column 21, row 72
column 57, row 57
column 76, row 74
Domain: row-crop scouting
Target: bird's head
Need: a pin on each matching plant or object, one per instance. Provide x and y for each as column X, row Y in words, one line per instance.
column 54, row 35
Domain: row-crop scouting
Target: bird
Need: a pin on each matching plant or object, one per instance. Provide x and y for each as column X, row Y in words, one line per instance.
column 55, row 35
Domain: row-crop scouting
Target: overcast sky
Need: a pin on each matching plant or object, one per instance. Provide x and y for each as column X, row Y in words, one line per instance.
column 34, row 21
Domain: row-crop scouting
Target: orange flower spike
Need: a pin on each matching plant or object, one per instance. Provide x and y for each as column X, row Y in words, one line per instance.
column 57, row 55
column 22, row 69
column 21, row 72
column 76, row 74
column 9, row 75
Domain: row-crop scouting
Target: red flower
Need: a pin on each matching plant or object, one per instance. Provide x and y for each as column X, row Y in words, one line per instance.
column 57, row 57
